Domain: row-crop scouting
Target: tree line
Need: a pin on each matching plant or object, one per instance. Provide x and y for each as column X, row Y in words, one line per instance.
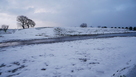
column 83, row 25
column 129, row 28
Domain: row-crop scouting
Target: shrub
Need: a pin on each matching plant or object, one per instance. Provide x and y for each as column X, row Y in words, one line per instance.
column 60, row 31
column 83, row 25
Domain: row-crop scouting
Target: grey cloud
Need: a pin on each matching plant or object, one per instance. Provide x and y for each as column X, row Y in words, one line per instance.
column 75, row 12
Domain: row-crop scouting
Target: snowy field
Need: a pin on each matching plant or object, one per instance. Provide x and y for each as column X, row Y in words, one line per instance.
column 105, row 57
column 38, row 33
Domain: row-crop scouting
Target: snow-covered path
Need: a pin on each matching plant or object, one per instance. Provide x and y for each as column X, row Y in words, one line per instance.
column 105, row 57
column 62, row 39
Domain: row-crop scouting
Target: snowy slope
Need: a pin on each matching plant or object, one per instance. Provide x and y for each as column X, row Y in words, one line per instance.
column 106, row 57
column 27, row 34
column 36, row 33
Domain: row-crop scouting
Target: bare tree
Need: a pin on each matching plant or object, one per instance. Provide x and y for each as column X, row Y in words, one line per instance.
column 25, row 22
column 22, row 21
column 4, row 27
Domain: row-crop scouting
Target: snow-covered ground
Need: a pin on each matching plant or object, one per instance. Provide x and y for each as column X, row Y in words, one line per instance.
column 105, row 57
column 36, row 33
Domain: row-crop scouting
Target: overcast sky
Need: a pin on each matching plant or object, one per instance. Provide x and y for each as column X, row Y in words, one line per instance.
column 70, row 12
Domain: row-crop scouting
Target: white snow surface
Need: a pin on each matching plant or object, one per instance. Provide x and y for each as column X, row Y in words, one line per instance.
column 104, row 57
column 38, row 33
